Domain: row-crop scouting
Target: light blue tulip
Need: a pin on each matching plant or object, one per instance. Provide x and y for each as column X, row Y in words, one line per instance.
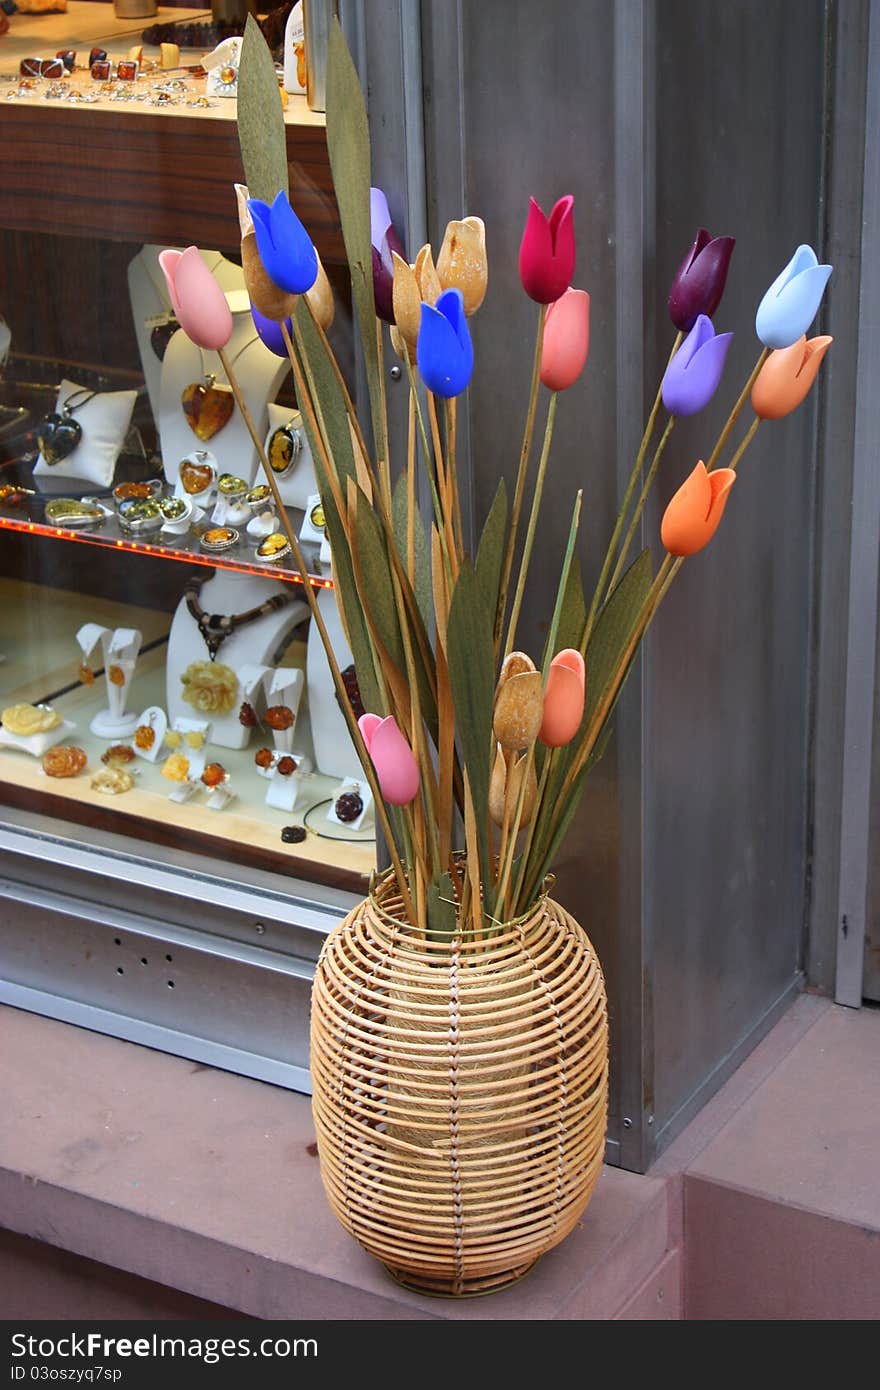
column 285, row 247
column 444, row 350
column 789, row 306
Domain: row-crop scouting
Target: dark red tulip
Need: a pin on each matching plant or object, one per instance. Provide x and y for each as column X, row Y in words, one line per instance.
column 699, row 283
column 385, row 242
column 547, row 251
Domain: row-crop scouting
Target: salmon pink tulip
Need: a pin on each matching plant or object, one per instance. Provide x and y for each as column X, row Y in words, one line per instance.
column 566, row 340
column 198, row 302
column 563, row 698
column 392, row 757
column 547, row 251
column 786, row 377
column 692, row 516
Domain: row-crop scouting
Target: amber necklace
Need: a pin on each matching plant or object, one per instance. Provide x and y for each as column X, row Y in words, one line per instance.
column 216, row 627
column 207, row 405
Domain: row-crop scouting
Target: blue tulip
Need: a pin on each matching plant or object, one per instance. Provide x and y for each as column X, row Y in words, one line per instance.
column 270, row 332
column 789, row 306
column 444, row 350
column 285, row 247
column 692, row 376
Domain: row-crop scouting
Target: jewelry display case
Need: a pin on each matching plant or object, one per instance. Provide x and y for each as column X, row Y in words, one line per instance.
column 165, row 715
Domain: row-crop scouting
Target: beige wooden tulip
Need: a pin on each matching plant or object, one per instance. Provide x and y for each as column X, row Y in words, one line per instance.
column 413, row 285
column 508, row 766
column 519, row 703
column 320, row 299
column 462, row 263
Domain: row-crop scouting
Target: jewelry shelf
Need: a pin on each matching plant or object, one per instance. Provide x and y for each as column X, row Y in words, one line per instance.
column 132, row 172
column 184, row 550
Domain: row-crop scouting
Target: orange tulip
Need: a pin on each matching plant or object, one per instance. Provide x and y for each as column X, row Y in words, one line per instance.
column 691, row 519
column 786, row 377
column 563, row 698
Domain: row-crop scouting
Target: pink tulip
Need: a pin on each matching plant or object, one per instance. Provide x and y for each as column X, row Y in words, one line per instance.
column 396, row 768
column 198, row 302
column 566, row 340
column 563, row 698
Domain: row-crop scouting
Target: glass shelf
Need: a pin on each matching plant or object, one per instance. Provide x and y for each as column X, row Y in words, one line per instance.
column 179, row 548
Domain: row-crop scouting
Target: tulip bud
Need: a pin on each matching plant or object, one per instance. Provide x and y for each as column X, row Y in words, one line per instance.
column 270, row 332
column 384, row 242
column 505, row 783
column 444, row 351
column 694, row 513
column 786, row 377
column 700, row 279
column 563, row 698
column 547, row 251
column 462, row 265
column 198, row 302
column 285, row 247
column 692, row 377
column 566, row 340
column 392, row 757
column 519, row 700
column 789, row 306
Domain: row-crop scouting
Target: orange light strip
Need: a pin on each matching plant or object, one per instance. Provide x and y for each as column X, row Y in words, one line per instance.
column 160, row 552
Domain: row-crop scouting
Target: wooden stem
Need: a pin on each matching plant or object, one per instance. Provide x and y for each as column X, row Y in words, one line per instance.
column 532, row 527
column 640, row 506
column 734, row 414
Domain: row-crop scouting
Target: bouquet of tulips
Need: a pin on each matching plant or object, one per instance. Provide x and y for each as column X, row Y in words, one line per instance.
column 471, row 744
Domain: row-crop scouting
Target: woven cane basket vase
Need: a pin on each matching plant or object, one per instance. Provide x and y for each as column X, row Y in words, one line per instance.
column 459, row 1090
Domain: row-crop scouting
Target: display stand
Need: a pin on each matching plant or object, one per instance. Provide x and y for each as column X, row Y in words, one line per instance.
column 259, row 374
column 334, row 750
column 259, row 643
column 120, row 648
column 299, row 483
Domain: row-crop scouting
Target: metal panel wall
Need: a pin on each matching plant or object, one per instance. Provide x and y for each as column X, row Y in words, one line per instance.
column 688, row 864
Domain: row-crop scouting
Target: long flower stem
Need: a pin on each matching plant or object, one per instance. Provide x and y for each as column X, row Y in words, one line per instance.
column 519, row 490
column 431, row 471
column 532, row 527
column 451, row 425
column 734, row 414
column 443, row 483
column 318, row 618
column 750, row 434
column 624, row 506
column 549, row 755
column 640, row 506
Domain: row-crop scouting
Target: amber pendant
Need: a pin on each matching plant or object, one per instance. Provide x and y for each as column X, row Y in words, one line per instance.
column 207, row 407
column 58, row 436
column 284, row 446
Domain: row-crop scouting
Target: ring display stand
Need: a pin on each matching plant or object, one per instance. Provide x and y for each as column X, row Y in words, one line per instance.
column 299, row 483
column 120, row 647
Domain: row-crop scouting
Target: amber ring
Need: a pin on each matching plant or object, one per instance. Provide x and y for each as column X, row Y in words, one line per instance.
column 219, row 538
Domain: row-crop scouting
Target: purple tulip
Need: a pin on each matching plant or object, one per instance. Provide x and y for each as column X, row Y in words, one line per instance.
column 693, row 375
column 270, row 332
column 700, row 280
column 384, row 240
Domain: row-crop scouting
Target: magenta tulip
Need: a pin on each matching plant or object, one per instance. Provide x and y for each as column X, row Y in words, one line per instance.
column 547, row 251
column 198, row 302
column 566, row 340
column 392, row 757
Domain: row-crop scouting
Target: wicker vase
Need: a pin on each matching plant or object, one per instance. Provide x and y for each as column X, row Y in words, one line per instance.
column 460, row 1091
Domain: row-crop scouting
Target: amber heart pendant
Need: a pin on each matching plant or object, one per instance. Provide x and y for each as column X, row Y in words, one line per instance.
column 207, row 407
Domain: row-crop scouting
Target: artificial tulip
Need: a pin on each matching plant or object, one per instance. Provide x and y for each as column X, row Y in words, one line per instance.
column 285, row 247
column 198, row 302
column 265, row 296
column 270, row 332
column 444, row 352
column 692, row 377
column 566, row 340
column 392, row 757
column 789, row 306
column 462, row 263
column 320, row 298
column 413, row 286
column 547, row 251
column 385, row 242
column 700, row 279
column 692, row 516
column 563, row 698
column 786, row 377
column 517, row 711
column 505, row 783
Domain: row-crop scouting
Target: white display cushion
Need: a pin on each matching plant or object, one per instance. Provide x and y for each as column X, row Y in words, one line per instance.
column 104, row 421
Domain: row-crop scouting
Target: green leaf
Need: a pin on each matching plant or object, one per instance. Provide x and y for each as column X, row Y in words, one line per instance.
column 374, row 569
column 348, row 145
column 490, row 553
column 441, row 909
column 613, row 631
column 261, row 130
column 470, row 653
column 422, row 585
column 328, row 393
